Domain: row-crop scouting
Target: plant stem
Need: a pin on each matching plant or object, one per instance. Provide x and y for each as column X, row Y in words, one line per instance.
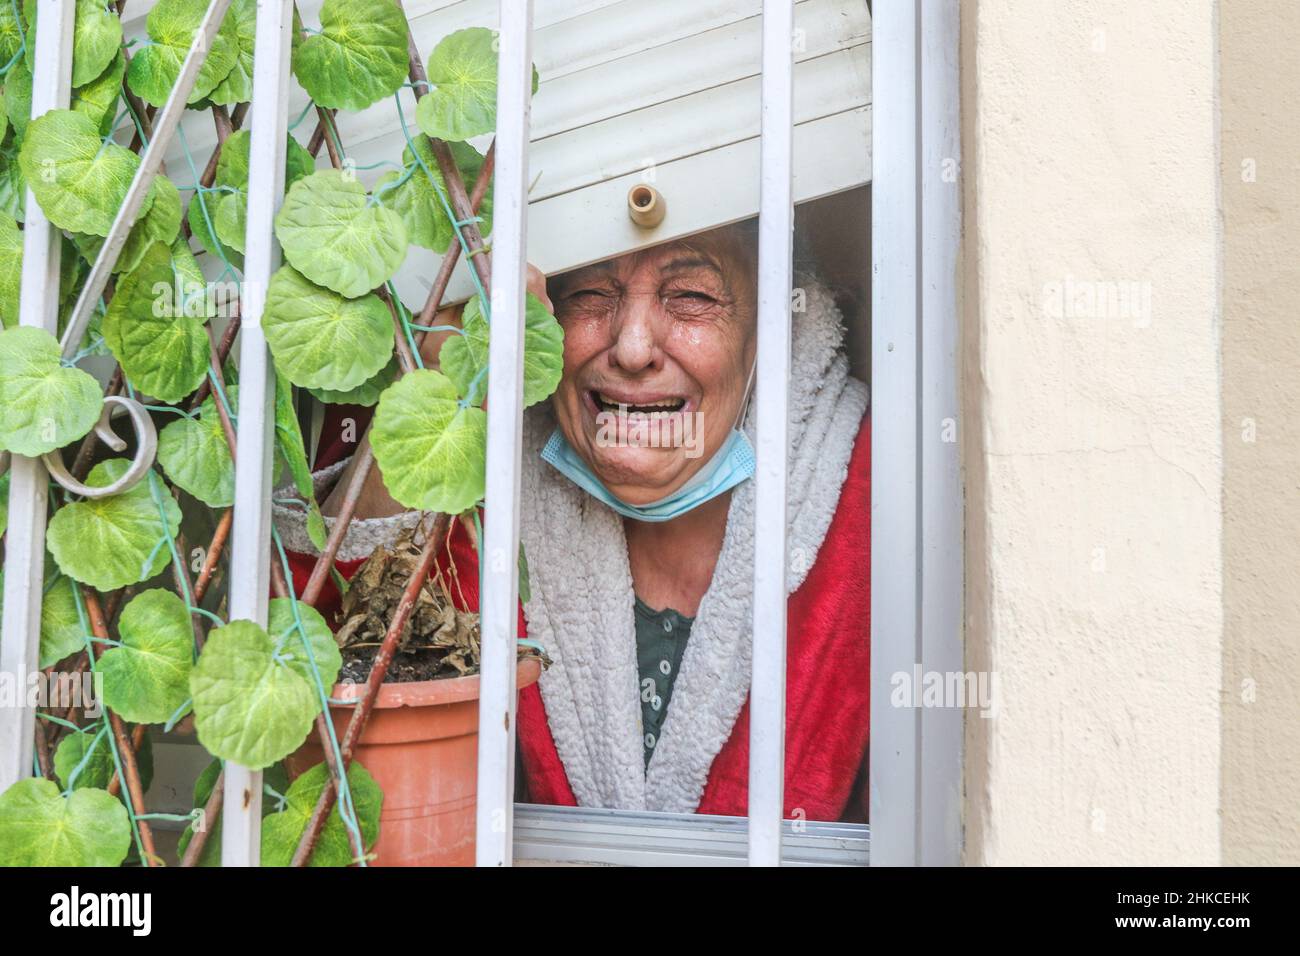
column 460, row 203
column 373, row 683
column 43, row 751
column 137, row 739
column 211, row 813
column 99, row 627
column 213, row 555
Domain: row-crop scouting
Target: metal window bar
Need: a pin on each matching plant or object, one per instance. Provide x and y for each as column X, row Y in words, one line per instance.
column 500, row 602
column 772, row 377
column 894, row 598
column 29, row 484
column 250, row 553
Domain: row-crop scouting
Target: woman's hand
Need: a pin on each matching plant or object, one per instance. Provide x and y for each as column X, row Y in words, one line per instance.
column 537, row 286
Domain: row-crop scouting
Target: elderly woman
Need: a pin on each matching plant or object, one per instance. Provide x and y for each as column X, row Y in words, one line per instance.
column 638, row 515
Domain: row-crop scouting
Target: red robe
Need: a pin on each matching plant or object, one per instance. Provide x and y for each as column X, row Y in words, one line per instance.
column 827, row 668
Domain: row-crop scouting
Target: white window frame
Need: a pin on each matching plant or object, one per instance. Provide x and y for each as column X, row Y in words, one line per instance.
column 916, row 568
column 916, row 510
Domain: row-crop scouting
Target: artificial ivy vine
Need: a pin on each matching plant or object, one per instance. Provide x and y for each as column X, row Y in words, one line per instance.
column 121, row 603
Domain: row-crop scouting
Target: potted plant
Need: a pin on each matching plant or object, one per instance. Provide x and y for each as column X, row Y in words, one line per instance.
column 420, row 740
column 131, row 603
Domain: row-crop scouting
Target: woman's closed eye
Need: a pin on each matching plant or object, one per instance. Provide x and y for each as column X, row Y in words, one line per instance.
column 690, row 303
column 589, row 301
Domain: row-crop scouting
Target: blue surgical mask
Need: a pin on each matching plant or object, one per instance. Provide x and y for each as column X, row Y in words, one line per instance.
column 732, row 464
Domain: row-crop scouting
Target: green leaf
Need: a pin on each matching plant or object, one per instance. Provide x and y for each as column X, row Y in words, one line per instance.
column 324, row 649
column 231, row 222
column 99, row 769
column 288, row 439
column 38, row 827
column 232, row 165
column 463, row 357
column 11, row 31
column 111, row 542
column 430, row 449
column 413, row 195
column 469, row 161
column 237, row 87
column 367, row 393
column 13, row 188
column 96, row 39
column 249, row 706
column 196, row 456
column 282, row 831
column 358, row 58
column 70, row 272
column 98, row 98
column 11, row 270
column 335, row 237
column 172, row 25
column 61, row 630
column 62, row 634
column 43, row 406
column 298, row 162
column 164, row 352
column 18, row 98
column 319, row 338
column 79, row 181
column 462, row 99
column 229, row 210
column 207, row 236
column 195, row 298
column 525, row 588
column 162, row 223
column 147, row 679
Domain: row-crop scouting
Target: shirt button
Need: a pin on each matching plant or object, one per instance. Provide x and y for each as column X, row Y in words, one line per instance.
column 650, row 741
column 665, row 668
column 668, row 626
column 657, row 702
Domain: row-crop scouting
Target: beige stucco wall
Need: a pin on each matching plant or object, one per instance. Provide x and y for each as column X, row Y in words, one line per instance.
column 1260, row 85
column 1093, row 446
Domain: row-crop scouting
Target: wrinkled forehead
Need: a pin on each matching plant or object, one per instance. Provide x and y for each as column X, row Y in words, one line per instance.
column 724, row 255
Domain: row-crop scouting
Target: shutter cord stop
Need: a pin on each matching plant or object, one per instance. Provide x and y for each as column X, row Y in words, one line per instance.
column 646, row 206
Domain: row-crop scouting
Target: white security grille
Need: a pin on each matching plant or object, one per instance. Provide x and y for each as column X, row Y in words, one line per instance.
column 916, row 512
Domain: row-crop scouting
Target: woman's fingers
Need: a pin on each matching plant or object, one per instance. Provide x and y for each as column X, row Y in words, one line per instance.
column 537, row 286
column 432, row 344
column 535, row 283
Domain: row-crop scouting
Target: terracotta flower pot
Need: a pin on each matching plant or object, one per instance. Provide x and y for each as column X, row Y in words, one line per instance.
column 421, row 746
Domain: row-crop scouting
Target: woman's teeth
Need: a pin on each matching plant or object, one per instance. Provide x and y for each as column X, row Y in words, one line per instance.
column 663, row 405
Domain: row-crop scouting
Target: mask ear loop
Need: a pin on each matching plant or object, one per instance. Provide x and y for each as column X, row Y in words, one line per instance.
column 749, row 394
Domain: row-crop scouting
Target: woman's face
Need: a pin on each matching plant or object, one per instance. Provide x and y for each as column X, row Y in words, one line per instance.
column 658, row 346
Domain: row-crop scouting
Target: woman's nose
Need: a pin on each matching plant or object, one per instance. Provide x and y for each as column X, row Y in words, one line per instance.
column 637, row 334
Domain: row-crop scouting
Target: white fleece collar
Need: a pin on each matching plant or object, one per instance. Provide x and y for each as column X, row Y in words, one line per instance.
column 582, row 597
